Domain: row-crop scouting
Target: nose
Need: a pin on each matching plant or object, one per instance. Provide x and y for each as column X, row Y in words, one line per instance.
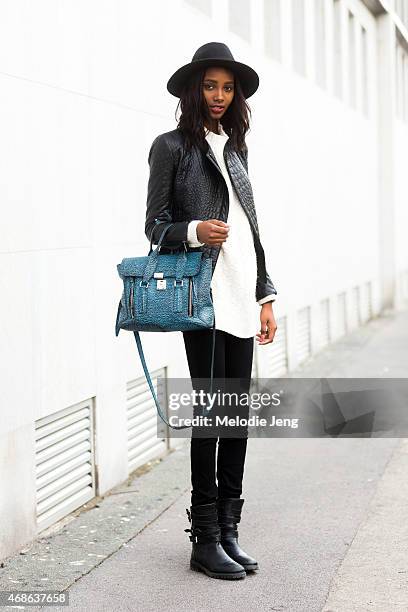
column 219, row 97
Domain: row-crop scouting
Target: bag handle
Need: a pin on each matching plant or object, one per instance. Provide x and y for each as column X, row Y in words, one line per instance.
column 149, row 380
column 153, row 258
column 166, row 227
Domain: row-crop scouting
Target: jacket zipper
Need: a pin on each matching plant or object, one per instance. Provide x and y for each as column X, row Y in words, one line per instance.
column 210, row 156
column 214, row 161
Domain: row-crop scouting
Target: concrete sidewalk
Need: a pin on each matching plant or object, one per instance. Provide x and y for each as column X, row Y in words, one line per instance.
column 325, row 518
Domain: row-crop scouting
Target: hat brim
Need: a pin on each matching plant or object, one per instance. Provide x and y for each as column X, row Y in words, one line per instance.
column 249, row 79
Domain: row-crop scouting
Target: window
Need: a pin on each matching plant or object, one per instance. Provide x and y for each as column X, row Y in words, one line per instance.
column 272, row 28
column 337, row 51
column 405, row 86
column 401, row 82
column 239, row 12
column 401, row 8
column 364, row 70
column 320, row 43
column 352, row 59
column 298, row 36
column 202, row 5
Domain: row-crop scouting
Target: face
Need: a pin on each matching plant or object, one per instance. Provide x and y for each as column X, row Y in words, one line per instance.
column 218, row 89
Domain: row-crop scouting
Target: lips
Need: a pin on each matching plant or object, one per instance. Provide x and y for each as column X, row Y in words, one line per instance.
column 217, row 109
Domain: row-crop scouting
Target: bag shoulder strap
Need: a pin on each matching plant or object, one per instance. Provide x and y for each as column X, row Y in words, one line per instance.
column 149, row 380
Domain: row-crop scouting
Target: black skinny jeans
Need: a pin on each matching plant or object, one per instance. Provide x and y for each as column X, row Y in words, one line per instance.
column 232, row 359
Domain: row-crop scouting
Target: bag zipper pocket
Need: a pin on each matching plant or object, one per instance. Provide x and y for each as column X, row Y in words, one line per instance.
column 190, row 297
column 131, row 297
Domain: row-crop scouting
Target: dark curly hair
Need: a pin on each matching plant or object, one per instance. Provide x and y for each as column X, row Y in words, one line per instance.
column 194, row 111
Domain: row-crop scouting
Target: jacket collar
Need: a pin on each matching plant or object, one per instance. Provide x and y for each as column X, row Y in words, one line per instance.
column 227, row 146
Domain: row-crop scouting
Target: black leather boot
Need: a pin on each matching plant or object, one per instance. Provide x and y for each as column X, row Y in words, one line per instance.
column 208, row 555
column 229, row 514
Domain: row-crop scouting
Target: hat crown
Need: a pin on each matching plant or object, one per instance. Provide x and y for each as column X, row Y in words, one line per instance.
column 213, row 50
column 209, row 55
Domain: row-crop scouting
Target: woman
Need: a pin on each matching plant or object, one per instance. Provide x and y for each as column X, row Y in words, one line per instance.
column 199, row 181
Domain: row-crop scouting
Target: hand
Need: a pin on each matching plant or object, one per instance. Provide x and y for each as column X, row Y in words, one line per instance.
column 212, row 232
column 268, row 324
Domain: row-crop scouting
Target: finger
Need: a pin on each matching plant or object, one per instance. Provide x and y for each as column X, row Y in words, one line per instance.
column 263, row 334
column 269, row 336
column 219, row 223
column 220, row 231
column 261, row 340
column 265, row 330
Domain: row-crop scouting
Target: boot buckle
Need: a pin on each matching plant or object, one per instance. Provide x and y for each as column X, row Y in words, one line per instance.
column 192, row 537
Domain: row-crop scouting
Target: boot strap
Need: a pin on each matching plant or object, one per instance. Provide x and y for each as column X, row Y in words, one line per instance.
column 201, row 537
column 204, row 524
column 231, row 513
column 229, row 534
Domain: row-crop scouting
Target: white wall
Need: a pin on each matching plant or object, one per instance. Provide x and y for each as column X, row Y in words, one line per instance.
column 82, row 95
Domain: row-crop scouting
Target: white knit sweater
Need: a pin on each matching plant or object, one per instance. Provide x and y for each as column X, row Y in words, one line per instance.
column 233, row 282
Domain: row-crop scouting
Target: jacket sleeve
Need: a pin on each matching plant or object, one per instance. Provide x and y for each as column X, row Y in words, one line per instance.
column 159, row 195
column 265, row 291
column 267, row 298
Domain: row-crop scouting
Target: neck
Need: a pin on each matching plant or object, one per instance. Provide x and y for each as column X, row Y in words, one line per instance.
column 213, row 125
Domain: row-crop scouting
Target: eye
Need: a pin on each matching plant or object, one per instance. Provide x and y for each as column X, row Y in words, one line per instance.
column 210, row 86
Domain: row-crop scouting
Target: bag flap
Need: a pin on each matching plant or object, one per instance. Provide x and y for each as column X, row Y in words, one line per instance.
column 135, row 266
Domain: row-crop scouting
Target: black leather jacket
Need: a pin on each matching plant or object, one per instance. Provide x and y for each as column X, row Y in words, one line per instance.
column 186, row 185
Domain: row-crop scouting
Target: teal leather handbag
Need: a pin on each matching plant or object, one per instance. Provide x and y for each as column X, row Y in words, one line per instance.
column 169, row 292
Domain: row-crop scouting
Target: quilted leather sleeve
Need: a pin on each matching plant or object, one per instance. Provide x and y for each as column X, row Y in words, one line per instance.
column 159, row 195
column 265, row 291
column 266, row 299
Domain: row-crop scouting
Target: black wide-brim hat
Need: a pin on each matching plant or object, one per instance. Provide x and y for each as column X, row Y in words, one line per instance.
column 214, row 54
